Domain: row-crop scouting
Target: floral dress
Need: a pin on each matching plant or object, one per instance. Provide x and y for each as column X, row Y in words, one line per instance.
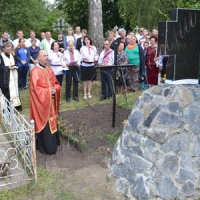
column 121, row 75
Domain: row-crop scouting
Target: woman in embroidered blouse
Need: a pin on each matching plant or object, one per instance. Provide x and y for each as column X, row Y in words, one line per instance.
column 22, row 54
column 68, row 37
column 89, row 56
column 152, row 70
column 122, row 59
column 55, row 60
column 135, row 57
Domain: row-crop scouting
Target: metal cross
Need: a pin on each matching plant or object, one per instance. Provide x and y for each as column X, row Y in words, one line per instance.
column 115, row 66
column 60, row 26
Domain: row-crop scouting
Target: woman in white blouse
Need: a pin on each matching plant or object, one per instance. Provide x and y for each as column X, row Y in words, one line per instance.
column 71, row 59
column 55, row 57
column 89, row 56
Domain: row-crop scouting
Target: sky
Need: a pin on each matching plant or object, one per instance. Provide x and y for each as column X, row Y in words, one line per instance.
column 51, row 1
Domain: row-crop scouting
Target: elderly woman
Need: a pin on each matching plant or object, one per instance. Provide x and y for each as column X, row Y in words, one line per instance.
column 22, row 54
column 152, row 70
column 122, row 59
column 135, row 57
column 89, row 56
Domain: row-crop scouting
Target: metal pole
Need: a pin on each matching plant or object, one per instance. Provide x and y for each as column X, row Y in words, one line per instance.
column 32, row 122
column 1, row 109
column 114, row 87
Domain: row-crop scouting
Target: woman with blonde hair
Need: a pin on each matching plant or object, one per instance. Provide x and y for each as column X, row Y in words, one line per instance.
column 69, row 37
column 22, row 54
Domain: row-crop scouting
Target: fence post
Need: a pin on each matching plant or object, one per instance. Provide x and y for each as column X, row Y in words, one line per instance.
column 32, row 122
column 1, row 109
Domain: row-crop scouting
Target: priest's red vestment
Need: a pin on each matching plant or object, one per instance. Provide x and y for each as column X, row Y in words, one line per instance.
column 44, row 107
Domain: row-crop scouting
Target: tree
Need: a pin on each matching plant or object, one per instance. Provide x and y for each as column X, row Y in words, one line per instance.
column 95, row 22
column 111, row 15
column 77, row 12
column 26, row 15
column 148, row 13
column 142, row 13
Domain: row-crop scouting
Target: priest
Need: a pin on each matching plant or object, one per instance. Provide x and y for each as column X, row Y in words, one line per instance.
column 44, row 105
column 9, row 76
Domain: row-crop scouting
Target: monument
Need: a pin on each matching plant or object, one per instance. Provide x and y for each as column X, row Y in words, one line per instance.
column 157, row 155
column 179, row 40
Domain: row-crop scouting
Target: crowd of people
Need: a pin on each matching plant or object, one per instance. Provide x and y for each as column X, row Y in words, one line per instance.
column 47, row 61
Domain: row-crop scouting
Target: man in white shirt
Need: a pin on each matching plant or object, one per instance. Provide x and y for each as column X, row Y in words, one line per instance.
column 45, row 44
column 106, row 58
column 78, row 32
column 71, row 59
column 32, row 36
column 20, row 35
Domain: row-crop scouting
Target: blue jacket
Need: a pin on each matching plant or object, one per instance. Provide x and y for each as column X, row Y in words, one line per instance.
column 66, row 44
column 22, row 54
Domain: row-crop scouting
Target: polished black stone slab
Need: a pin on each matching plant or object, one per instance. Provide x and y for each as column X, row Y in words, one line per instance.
column 180, row 39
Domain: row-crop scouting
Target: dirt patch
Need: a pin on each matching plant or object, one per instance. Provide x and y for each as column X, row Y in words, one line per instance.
column 84, row 161
column 90, row 128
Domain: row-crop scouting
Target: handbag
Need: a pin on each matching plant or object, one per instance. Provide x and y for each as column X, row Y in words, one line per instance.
column 159, row 61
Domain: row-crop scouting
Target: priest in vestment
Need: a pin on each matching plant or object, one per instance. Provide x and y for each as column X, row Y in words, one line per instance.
column 44, row 105
column 9, row 76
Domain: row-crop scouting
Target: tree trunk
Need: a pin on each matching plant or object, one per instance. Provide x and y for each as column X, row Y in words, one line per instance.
column 95, row 23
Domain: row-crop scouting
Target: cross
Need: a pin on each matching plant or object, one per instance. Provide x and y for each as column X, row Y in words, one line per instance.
column 116, row 28
column 60, row 26
column 115, row 66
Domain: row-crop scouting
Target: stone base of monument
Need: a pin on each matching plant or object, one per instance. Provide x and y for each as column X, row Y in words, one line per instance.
column 158, row 154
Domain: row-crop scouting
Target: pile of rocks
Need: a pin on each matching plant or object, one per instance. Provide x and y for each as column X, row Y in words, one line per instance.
column 158, row 154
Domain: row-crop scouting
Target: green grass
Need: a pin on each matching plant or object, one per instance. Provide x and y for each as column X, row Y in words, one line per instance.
column 46, row 187
column 125, row 100
column 113, row 137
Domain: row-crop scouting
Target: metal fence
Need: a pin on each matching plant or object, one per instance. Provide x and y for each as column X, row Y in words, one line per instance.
column 17, row 147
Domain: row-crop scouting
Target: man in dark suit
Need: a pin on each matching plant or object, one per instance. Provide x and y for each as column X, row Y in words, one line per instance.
column 79, row 43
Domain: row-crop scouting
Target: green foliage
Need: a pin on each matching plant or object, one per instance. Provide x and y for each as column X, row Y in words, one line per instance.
column 29, row 15
column 188, row 4
column 111, row 15
column 149, row 13
column 76, row 10
column 113, row 137
column 144, row 13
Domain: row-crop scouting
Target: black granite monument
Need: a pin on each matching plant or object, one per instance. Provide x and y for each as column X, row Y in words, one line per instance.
column 180, row 40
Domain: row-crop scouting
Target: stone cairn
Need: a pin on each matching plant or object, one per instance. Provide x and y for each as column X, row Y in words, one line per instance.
column 158, row 154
